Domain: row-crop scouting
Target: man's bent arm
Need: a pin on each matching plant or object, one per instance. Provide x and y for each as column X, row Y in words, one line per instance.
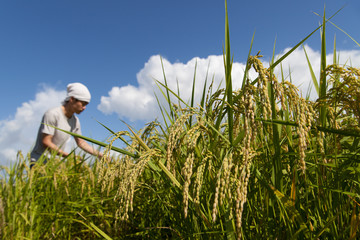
column 87, row 148
column 47, row 142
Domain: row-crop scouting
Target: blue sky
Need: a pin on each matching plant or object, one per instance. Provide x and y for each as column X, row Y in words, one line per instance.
column 114, row 48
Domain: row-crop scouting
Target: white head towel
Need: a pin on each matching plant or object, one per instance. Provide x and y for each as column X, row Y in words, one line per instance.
column 79, row 91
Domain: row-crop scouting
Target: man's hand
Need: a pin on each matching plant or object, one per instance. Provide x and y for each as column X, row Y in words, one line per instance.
column 47, row 142
column 87, row 148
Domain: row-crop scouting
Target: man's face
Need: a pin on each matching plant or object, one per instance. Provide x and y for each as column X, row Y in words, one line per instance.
column 78, row 106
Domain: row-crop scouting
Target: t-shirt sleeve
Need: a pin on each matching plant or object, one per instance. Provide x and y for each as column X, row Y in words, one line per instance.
column 49, row 120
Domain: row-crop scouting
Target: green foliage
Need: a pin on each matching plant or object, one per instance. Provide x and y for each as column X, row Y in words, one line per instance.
column 258, row 162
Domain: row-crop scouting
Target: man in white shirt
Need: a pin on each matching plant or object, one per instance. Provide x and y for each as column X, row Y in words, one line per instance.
column 63, row 117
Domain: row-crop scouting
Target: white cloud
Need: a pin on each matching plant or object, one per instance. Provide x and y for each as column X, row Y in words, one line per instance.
column 296, row 69
column 139, row 102
column 19, row 132
column 297, row 65
column 134, row 103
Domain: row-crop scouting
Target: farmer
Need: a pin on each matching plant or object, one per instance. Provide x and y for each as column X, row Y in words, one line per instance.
column 63, row 117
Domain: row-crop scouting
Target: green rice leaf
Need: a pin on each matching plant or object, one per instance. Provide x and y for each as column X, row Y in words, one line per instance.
column 119, row 150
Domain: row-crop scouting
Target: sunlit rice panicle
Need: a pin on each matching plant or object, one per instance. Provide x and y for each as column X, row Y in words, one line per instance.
column 129, row 179
column 126, row 172
column 90, row 182
column 213, row 104
column 187, row 173
column 320, row 143
column 262, row 84
column 341, row 101
column 107, row 170
column 199, row 177
column 237, row 122
column 192, row 135
column 151, row 135
column 37, row 169
column 239, row 108
column 243, row 180
column 60, row 176
column 300, row 111
column 190, row 141
column 302, row 130
column 209, row 91
column 241, row 194
column 292, row 95
column 225, row 179
column 216, row 197
column 242, row 169
column 174, row 139
column 20, row 157
column 333, row 118
column 233, row 175
column 344, row 95
column 83, row 185
column 281, row 94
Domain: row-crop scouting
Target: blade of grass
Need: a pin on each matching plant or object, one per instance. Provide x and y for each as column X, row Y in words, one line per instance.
column 162, row 112
column 228, row 80
column 301, row 42
column 323, row 83
column 192, row 93
column 247, row 63
column 119, row 150
column 286, row 202
column 172, row 92
column 202, row 102
column 167, row 93
column 245, row 73
column 339, row 27
column 173, row 113
column 313, row 77
column 93, row 227
column 277, row 165
column 104, row 235
column 295, row 47
column 112, row 132
column 352, row 133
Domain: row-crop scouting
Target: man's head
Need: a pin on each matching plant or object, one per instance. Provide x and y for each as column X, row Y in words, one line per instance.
column 75, row 106
column 78, row 91
column 78, row 96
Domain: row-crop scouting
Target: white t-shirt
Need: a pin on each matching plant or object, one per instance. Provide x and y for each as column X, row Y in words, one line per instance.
column 55, row 117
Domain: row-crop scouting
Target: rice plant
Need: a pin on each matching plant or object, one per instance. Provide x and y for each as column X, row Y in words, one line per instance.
column 259, row 162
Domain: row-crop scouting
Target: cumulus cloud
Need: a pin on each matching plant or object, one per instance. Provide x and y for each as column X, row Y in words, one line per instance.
column 139, row 102
column 296, row 68
column 19, row 131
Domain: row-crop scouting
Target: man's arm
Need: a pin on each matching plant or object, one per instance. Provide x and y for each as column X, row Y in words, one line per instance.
column 47, row 142
column 87, row 148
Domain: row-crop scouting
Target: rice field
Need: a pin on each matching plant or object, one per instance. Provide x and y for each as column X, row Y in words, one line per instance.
column 259, row 162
